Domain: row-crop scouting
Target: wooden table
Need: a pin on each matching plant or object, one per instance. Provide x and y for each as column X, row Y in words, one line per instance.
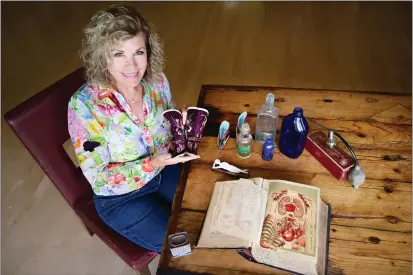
column 371, row 227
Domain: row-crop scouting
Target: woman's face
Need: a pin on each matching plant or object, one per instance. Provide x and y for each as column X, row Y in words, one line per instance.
column 128, row 61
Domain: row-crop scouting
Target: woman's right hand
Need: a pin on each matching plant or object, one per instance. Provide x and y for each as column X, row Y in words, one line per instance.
column 166, row 159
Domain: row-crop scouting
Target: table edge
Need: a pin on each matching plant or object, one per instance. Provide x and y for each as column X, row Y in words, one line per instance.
column 247, row 88
column 173, row 219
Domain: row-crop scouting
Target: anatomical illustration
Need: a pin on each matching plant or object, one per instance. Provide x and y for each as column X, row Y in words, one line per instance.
column 286, row 221
column 242, row 208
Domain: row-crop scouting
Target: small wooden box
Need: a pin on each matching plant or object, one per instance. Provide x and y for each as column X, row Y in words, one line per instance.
column 335, row 160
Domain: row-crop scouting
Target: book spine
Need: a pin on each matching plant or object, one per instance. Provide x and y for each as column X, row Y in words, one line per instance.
column 328, row 239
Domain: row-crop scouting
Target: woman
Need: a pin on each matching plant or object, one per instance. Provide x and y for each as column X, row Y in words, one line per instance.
column 117, row 128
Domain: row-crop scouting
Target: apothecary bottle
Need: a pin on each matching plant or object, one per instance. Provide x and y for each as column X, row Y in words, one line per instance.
column 267, row 118
column 244, row 140
column 293, row 135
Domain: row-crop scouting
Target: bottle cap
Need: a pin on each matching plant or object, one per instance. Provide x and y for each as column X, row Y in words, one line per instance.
column 269, row 140
column 298, row 111
column 270, row 99
column 245, row 128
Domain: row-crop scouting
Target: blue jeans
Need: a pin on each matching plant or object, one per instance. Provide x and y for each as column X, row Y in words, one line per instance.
column 142, row 215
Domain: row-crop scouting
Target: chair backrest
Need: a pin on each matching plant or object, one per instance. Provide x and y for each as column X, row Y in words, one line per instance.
column 41, row 125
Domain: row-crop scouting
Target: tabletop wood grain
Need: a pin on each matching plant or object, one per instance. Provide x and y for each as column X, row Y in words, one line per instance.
column 371, row 227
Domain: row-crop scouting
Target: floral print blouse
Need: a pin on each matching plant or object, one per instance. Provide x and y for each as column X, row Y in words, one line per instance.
column 112, row 145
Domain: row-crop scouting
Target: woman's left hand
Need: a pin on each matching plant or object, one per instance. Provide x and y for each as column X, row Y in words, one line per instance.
column 166, row 159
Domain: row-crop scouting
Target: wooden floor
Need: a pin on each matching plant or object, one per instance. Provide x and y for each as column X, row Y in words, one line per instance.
column 362, row 46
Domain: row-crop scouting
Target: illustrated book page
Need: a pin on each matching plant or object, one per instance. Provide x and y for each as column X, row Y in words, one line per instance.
column 289, row 232
column 235, row 214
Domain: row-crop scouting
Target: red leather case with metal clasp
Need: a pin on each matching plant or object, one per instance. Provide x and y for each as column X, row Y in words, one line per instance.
column 335, row 160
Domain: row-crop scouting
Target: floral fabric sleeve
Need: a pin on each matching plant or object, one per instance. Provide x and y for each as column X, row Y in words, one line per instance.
column 91, row 148
column 167, row 93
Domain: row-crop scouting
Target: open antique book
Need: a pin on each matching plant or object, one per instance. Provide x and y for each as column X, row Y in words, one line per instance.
column 284, row 224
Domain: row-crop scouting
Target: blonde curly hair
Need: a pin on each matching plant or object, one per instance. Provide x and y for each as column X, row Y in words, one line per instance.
column 105, row 30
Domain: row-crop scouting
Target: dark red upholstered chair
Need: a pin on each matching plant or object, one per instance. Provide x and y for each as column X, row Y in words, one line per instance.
column 41, row 125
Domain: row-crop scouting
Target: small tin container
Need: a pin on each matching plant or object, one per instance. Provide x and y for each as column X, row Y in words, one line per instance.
column 179, row 244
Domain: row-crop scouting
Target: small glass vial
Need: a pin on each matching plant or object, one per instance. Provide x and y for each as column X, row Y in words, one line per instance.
column 244, row 140
column 268, row 149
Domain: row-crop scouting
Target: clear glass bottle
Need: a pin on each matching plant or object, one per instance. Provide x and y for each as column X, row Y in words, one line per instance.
column 267, row 119
column 244, row 140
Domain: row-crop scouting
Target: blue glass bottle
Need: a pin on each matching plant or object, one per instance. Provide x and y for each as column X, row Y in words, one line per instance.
column 268, row 149
column 294, row 131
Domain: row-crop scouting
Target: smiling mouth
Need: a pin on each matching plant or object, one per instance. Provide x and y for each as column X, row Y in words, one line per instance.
column 130, row 75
